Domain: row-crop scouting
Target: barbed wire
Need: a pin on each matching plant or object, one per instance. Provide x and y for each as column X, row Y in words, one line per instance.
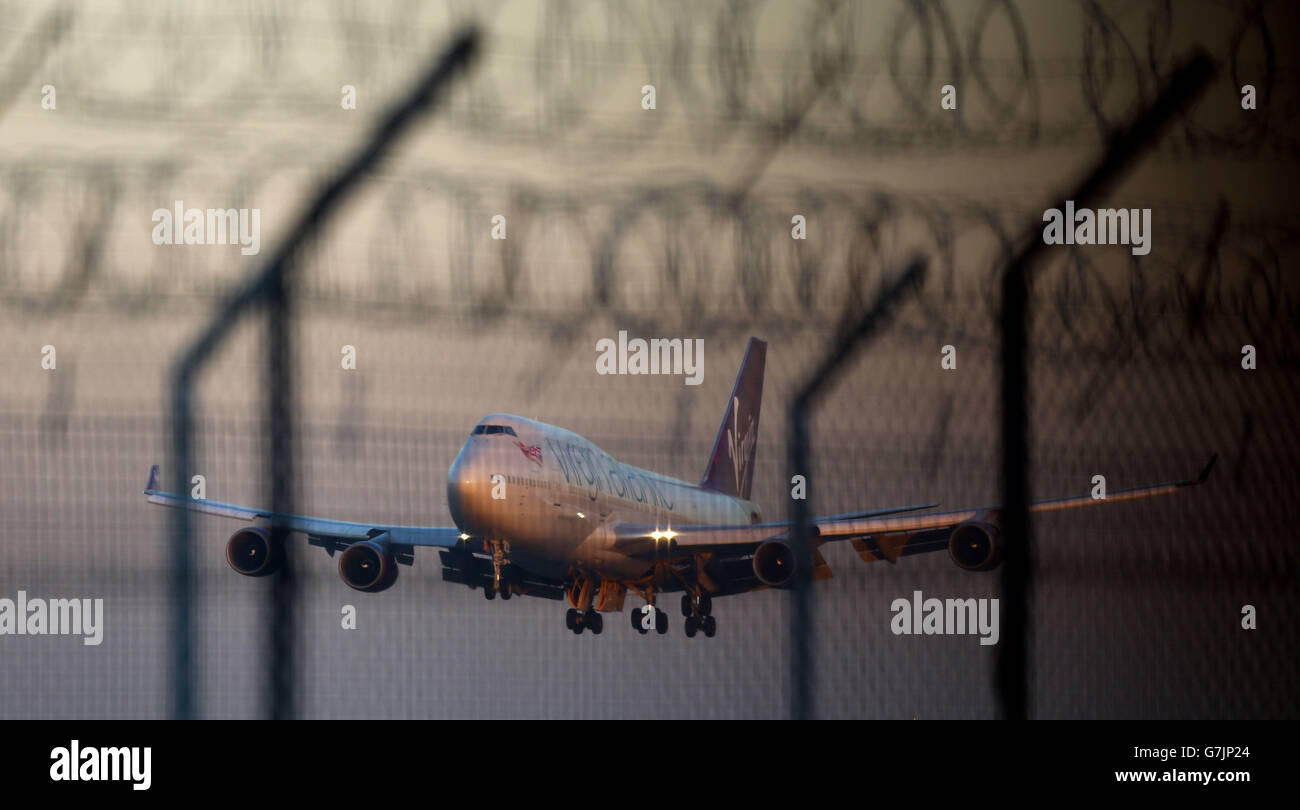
column 729, row 68
column 701, row 257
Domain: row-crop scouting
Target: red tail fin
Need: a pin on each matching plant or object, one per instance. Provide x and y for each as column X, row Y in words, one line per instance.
column 731, row 466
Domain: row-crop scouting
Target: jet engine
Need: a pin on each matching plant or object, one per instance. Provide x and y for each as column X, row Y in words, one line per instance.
column 251, row 552
column 368, row 566
column 774, row 563
column 975, row 546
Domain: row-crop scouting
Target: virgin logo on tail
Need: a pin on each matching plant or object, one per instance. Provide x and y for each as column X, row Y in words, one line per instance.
column 742, row 451
column 737, row 436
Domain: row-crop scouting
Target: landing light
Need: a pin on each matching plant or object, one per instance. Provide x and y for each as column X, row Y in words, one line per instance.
column 666, row 534
column 464, row 537
column 582, row 516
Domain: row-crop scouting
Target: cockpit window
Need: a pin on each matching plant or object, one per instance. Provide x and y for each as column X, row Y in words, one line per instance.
column 494, row 429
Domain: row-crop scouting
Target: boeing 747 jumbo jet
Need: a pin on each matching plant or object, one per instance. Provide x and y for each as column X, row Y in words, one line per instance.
column 541, row 511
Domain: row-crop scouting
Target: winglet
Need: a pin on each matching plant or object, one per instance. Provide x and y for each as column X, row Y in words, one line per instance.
column 1205, row 473
column 1202, row 476
column 152, row 486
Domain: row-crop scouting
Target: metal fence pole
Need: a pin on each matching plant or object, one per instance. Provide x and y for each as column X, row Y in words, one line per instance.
column 274, row 287
column 800, row 459
column 1012, row 675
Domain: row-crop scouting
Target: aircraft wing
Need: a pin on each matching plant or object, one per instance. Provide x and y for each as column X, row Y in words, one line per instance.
column 645, row 538
column 342, row 533
column 886, row 534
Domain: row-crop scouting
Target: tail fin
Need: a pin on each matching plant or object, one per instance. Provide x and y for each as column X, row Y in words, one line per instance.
column 731, row 466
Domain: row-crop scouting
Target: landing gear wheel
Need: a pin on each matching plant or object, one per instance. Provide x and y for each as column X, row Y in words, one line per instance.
column 710, row 626
column 489, row 593
column 570, row 619
column 692, row 626
column 637, row 616
column 661, row 621
column 594, row 621
column 686, row 605
column 505, row 591
column 706, row 604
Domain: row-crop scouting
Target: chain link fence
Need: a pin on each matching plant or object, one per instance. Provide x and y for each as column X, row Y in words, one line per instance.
column 671, row 222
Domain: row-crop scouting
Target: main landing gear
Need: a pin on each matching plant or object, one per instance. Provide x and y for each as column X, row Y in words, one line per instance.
column 646, row 618
column 577, row 621
column 582, row 587
column 583, row 615
column 698, row 611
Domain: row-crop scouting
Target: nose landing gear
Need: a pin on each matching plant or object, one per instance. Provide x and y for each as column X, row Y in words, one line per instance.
column 500, row 559
column 502, row 571
column 500, row 587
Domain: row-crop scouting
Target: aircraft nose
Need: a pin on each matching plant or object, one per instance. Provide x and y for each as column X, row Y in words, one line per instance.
column 460, row 488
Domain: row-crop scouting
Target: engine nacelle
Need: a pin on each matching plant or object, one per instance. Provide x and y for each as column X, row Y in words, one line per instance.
column 368, row 566
column 774, row 563
column 251, row 552
column 975, row 546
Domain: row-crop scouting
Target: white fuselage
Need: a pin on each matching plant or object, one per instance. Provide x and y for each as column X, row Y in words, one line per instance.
column 554, row 497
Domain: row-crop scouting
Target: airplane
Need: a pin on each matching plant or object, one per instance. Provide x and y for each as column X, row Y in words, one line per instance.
column 541, row 511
